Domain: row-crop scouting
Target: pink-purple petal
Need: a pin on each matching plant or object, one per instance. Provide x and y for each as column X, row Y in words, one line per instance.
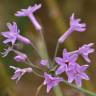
column 61, row 69
column 78, row 81
column 84, row 76
column 59, row 61
column 84, row 67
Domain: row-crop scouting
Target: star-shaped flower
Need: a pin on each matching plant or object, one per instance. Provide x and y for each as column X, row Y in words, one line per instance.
column 51, row 81
column 75, row 25
column 13, row 34
column 63, row 62
column 85, row 50
column 19, row 73
column 77, row 73
column 29, row 12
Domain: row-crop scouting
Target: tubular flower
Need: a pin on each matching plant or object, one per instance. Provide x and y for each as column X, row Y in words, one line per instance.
column 13, row 34
column 19, row 73
column 75, row 25
column 29, row 12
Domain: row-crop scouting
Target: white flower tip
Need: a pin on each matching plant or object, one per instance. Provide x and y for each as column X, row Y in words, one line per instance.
column 72, row 16
column 48, row 90
column 12, row 67
column 39, row 6
column 86, row 66
column 16, row 14
column 90, row 44
column 61, row 40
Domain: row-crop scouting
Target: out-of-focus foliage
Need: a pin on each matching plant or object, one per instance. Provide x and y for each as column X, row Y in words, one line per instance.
column 54, row 18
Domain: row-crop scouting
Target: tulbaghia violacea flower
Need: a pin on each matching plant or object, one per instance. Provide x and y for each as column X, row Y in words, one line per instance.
column 19, row 73
column 75, row 25
column 63, row 62
column 29, row 12
column 85, row 50
column 44, row 62
column 13, row 34
column 51, row 81
column 20, row 57
column 77, row 73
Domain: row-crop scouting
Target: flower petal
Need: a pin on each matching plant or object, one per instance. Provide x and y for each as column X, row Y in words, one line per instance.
column 78, row 81
column 83, row 68
column 59, row 61
column 61, row 69
column 84, row 76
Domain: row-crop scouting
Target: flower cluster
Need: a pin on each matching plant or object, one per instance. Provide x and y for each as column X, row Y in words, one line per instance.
column 66, row 64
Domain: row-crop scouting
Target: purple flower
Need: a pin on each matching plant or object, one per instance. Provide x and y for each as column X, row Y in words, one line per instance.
column 75, row 25
column 85, row 50
column 13, row 34
column 44, row 62
column 20, row 57
column 19, row 73
column 77, row 73
column 29, row 12
column 63, row 62
column 51, row 81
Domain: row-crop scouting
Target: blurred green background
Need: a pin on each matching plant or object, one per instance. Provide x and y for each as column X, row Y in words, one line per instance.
column 54, row 18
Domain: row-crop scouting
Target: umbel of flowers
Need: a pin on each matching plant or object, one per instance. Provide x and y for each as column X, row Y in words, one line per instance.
column 66, row 64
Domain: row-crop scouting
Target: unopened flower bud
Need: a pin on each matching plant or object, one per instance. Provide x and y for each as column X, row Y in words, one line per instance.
column 44, row 62
column 20, row 57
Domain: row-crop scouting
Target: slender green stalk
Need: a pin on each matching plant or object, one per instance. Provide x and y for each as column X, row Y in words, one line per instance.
column 44, row 43
column 37, row 74
column 31, row 64
column 36, row 50
column 56, row 51
column 80, row 89
column 39, row 88
column 58, row 91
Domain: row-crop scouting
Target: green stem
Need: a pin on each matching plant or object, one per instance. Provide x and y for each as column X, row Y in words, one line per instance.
column 44, row 43
column 57, row 91
column 31, row 64
column 56, row 51
column 36, row 50
column 80, row 89
column 37, row 74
